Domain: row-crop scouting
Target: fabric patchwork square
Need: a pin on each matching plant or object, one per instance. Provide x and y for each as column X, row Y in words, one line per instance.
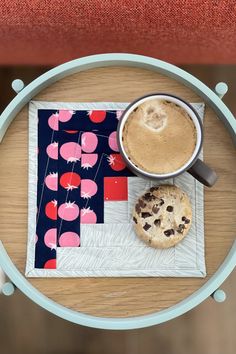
column 116, row 212
column 115, row 188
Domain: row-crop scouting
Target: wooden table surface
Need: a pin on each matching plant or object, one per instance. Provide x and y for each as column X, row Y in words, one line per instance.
column 118, row 297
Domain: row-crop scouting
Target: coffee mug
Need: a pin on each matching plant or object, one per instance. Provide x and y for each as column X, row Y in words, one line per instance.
column 197, row 168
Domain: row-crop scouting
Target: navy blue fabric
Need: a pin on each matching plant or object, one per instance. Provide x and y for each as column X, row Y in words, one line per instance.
column 45, row 137
column 81, row 122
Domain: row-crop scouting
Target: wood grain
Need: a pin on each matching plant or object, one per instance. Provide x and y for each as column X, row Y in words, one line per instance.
column 119, row 297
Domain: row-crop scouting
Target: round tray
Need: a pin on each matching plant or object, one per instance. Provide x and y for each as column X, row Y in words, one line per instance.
column 118, row 303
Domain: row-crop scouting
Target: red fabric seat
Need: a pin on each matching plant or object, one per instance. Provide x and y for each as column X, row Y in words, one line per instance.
column 41, row 32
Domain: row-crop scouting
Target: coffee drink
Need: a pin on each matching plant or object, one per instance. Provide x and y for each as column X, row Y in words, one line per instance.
column 159, row 136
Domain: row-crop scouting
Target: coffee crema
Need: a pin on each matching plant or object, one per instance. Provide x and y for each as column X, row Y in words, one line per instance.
column 159, row 136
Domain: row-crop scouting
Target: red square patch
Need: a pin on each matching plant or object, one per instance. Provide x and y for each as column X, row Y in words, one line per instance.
column 115, row 188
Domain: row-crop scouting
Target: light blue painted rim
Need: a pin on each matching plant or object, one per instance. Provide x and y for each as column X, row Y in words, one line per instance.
column 219, row 295
column 8, row 289
column 119, row 323
column 86, row 63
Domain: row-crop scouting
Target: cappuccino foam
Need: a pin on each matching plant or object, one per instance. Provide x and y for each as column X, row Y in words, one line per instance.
column 159, row 136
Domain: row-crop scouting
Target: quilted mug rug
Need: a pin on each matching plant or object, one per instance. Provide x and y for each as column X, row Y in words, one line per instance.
column 81, row 196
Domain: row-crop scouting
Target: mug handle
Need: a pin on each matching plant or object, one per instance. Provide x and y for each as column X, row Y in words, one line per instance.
column 203, row 173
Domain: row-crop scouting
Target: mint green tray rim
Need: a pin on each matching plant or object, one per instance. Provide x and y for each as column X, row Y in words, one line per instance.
column 102, row 60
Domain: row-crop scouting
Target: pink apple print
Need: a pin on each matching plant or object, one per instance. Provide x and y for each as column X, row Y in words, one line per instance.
column 65, row 115
column 68, row 211
column 88, row 216
column 71, row 152
column 119, row 114
column 36, row 239
column 50, row 238
column 88, row 160
column 88, row 188
column 69, row 239
column 52, row 150
column 112, row 141
column 53, row 121
column 89, row 142
column 51, row 181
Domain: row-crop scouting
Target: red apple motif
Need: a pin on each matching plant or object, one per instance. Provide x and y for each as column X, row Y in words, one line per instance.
column 50, row 264
column 70, row 180
column 97, row 116
column 51, row 210
column 116, row 162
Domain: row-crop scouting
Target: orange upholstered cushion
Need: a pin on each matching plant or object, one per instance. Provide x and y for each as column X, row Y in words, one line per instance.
column 180, row 31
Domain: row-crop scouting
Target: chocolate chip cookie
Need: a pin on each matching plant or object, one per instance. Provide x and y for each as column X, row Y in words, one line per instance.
column 162, row 216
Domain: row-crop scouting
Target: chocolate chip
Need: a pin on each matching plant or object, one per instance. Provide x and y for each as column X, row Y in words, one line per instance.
column 152, row 189
column 135, row 220
column 161, row 202
column 145, row 215
column 157, row 222
column 150, row 241
column 146, row 226
column 187, row 221
column 155, row 208
column 183, row 218
column 149, row 197
column 137, row 208
column 181, row 228
column 141, row 203
column 169, row 232
column 135, row 109
column 169, row 208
